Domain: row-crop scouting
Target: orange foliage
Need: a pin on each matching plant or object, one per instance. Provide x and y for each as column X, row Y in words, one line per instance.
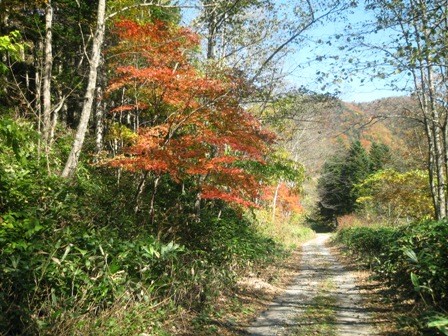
column 365, row 143
column 195, row 125
column 288, row 199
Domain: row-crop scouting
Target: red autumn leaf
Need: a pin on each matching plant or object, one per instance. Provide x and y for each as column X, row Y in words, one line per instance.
column 193, row 125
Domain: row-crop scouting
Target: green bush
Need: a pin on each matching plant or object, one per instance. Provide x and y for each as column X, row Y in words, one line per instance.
column 412, row 258
column 54, row 274
column 78, row 271
column 419, row 260
column 74, row 252
column 368, row 242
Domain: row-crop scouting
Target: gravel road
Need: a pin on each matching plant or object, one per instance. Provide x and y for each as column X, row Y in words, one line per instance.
column 321, row 276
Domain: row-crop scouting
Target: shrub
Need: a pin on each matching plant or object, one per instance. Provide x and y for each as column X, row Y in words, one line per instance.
column 366, row 241
column 419, row 260
column 75, row 254
column 413, row 258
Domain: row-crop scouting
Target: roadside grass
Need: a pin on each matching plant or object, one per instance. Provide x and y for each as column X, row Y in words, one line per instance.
column 127, row 319
column 289, row 231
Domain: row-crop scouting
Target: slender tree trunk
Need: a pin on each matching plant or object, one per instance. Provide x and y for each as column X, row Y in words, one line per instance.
column 211, row 35
column 73, row 158
column 223, row 39
column 55, row 115
column 274, row 202
column 197, row 207
column 445, row 157
column 38, row 102
column 436, row 122
column 422, row 74
column 198, row 201
column 46, row 77
column 99, row 125
column 431, row 167
column 140, row 189
column 152, row 210
column 438, row 140
column 439, row 170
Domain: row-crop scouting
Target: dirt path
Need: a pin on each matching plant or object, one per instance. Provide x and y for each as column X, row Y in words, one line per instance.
column 323, row 300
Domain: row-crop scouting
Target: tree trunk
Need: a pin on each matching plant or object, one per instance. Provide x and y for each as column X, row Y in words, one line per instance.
column 431, row 169
column 46, row 77
column 439, row 167
column 445, row 157
column 38, row 102
column 436, row 124
column 100, row 112
column 99, row 124
column 211, row 33
column 140, row 189
column 435, row 119
column 424, row 85
column 152, row 210
column 274, row 202
column 73, row 158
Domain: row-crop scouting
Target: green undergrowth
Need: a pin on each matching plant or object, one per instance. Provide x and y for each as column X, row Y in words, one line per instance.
column 85, row 256
column 289, row 231
column 82, row 279
column 412, row 259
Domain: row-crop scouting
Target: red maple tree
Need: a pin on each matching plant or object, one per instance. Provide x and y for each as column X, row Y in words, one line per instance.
column 190, row 125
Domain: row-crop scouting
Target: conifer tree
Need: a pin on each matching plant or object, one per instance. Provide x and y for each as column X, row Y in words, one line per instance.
column 356, row 169
column 340, row 174
column 379, row 156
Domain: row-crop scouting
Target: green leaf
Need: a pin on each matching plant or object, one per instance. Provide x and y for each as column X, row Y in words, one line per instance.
column 83, row 252
column 441, row 323
column 411, row 255
column 114, row 268
column 415, row 281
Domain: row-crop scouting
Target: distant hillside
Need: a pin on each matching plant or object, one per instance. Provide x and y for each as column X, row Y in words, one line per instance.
column 400, row 116
column 384, row 121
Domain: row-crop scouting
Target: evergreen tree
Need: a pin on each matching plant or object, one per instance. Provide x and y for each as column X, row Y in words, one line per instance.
column 379, row 156
column 329, row 188
column 340, row 174
column 356, row 169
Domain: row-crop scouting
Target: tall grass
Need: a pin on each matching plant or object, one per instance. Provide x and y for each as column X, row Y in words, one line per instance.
column 289, row 231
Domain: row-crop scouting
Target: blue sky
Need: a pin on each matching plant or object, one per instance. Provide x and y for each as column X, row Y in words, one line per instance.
column 302, row 66
column 360, row 87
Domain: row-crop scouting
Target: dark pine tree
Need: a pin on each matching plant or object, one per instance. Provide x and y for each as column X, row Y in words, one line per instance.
column 340, row 174
column 379, row 156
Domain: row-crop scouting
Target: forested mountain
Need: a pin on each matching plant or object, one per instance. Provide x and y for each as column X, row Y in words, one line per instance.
column 385, row 128
column 318, row 129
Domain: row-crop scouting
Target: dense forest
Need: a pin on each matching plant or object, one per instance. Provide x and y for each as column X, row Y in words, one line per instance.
column 145, row 166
